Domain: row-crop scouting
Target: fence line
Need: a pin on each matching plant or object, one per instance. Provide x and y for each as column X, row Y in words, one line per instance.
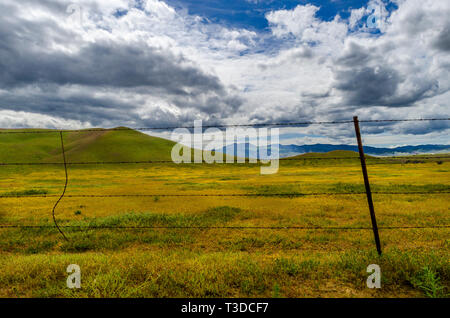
column 288, row 195
column 293, row 124
column 218, row 195
column 383, row 159
column 218, row 227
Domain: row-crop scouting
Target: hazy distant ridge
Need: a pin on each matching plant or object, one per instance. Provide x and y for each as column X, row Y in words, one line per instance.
column 293, row 150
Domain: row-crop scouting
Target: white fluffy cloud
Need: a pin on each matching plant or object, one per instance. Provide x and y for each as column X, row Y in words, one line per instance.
column 303, row 24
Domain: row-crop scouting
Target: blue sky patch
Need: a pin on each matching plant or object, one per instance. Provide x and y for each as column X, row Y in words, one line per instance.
column 251, row 13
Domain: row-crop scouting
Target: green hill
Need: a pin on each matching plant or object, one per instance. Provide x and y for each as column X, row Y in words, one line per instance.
column 98, row 145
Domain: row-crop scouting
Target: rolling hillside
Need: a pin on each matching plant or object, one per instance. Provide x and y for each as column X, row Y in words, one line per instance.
column 101, row 145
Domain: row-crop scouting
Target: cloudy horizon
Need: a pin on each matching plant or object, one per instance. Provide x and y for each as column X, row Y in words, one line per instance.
column 81, row 64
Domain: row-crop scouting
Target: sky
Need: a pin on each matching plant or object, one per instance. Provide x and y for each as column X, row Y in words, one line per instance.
column 136, row 63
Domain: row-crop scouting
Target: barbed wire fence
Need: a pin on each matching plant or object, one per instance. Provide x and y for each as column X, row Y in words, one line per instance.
column 287, row 124
column 361, row 157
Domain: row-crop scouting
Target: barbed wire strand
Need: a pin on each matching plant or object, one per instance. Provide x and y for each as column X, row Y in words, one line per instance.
column 221, row 194
column 6, row 226
column 24, row 131
column 64, row 191
column 393, row 160
column 87, row 228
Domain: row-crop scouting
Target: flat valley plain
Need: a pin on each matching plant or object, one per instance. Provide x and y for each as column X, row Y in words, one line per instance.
column 157, row 245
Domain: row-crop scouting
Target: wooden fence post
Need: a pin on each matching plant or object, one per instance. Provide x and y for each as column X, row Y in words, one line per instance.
column 367, row 185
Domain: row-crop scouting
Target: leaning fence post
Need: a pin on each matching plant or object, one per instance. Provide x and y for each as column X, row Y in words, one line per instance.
column 367, row 184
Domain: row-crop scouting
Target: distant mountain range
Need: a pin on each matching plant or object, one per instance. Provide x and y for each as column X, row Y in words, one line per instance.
column 294, row 150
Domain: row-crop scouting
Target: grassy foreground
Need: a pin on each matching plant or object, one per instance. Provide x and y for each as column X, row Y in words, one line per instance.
column 217, row 262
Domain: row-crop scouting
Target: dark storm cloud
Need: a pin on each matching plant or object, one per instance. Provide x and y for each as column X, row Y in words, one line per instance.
column 98, row 111
column 78, row 106
column 380, row 86
column 365, row 78
column 442, row 42
column 362, row 84
column 355, row 55
column 28, row 59
column 103, row 64
column 368, row 85
column 84, row 106
column 422, row 128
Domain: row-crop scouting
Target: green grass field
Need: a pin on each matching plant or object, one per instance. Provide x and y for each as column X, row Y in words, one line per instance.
column 215, row 261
